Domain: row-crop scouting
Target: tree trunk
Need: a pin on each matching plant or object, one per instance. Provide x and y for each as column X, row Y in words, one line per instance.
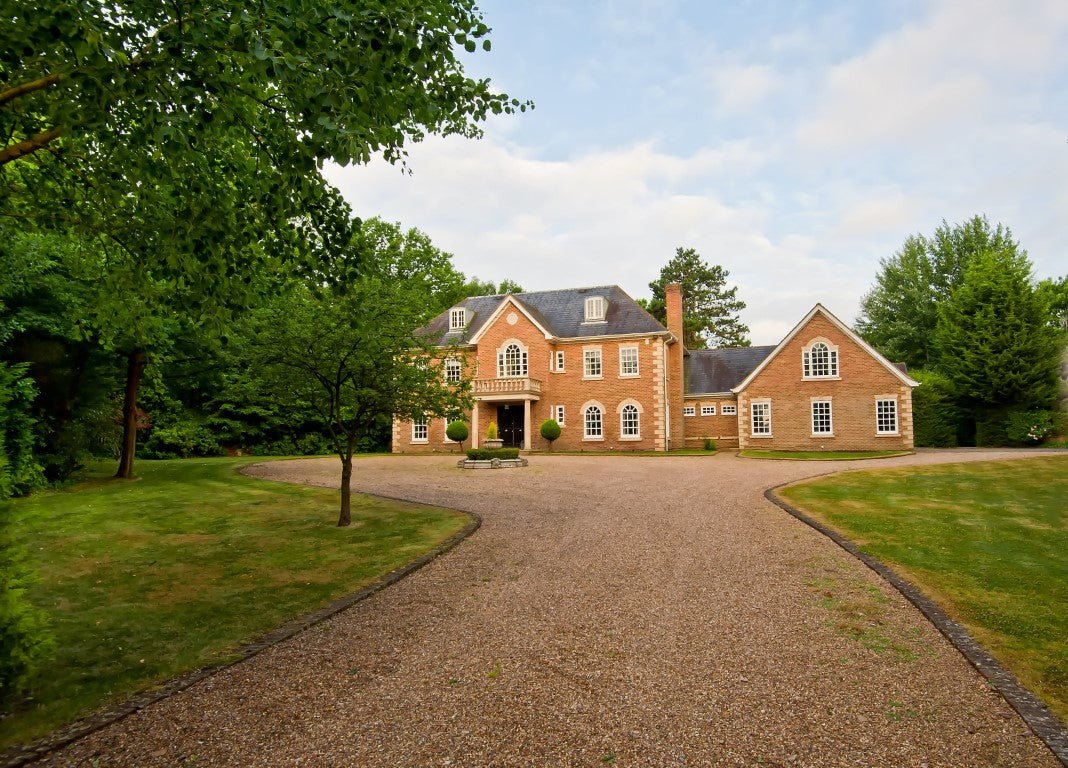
column 345, row 518
column 135, row 365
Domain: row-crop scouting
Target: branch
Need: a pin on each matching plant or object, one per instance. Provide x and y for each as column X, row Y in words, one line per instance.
column 30, row 87
column 30, row 145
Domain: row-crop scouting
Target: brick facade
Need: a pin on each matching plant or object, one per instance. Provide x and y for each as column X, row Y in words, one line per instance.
column 656, row 391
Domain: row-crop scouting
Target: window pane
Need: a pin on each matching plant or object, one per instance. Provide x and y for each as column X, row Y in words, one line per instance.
column 821, row 417
column 594, row 427
column 761, row 418
column 628, row 426
column 886, row 416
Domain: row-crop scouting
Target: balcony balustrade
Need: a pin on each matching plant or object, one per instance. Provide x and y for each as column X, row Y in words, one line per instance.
column 499, row 389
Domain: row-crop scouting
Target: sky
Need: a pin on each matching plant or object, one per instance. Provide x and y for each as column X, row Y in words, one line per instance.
column 795, row 144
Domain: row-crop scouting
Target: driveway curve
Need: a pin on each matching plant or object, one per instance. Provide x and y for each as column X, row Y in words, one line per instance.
column 627, row 611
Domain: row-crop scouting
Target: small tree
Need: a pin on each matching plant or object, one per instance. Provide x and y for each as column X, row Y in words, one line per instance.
column 550, row 431
column 457, row 432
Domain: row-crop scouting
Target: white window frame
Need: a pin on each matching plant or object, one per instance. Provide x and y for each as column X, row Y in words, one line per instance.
column 560, row 367
column 708, row 410
column 503, row 369
column 420, row 426
column 595, row 310
column 896, row 415
column 586, row 434
column 765, row 408
column 808, row 363
column 689, row 410
column 454, row 371
column 558, row 414
column 821, row 401
column 623, row 372
column 627, row 408
column 728, row 410
column 457, row 318
column 588, row 355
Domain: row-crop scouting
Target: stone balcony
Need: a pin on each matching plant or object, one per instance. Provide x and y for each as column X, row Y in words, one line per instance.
column 507, row 389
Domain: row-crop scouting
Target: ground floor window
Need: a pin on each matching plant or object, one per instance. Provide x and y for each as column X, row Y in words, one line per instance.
column 629, row 425
column 689, row 410
column 886, row 416
column 760, row 415
column 594, row 420
column 420, row 430
column 821, row 418
column 729, row 410
column 708, row 410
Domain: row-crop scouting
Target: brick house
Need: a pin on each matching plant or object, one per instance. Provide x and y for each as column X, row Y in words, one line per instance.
column 616, row 379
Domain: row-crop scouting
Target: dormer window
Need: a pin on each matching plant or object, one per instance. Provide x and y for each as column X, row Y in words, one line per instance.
column 595, row 309
column 819, row 361
column 457, row 319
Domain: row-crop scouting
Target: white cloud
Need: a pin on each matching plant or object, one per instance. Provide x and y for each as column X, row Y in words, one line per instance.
column 741, row 88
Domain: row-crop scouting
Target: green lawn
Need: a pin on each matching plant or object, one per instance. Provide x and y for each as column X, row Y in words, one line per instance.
column 989, row 541
column 146, row 579
column 820, row 455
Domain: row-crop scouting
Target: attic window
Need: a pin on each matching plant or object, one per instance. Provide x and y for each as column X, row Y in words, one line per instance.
column 595, row 309
column 457, row 319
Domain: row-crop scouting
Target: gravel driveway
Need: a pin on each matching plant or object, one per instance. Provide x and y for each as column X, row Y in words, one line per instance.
column 610, row 611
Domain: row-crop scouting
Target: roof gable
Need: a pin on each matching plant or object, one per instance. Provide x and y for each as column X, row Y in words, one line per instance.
column 820, row 309
column 511, row 301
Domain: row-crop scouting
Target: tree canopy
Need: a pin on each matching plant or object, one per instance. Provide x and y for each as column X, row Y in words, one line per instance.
column 710, row 308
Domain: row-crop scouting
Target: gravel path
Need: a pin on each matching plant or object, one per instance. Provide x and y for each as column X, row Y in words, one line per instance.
column 610, row 611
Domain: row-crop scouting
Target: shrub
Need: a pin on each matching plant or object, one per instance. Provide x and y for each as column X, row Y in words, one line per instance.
column 485, row 454
column 710, row 444
column 182, row 439
column 20, row 472
column 491, row 431
column 457, row 431
column 550, row 430
column 934, row 411
column 992, row 427
column 1029, row 427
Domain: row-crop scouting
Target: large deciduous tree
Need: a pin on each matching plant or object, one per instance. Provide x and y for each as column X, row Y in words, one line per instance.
column 710, row 308
column 900, row 312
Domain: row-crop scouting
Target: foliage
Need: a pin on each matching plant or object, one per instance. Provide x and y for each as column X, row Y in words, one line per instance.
column 187, row 437
column 900, row 312
column 25, row 639
column 19, row 470
column 1030, row 427
column 710, row 309
column 550, row 430
column 193, row 545
column 509, row 286
column 1055, row 293
column 457, row 431
column 935, row 414
column 485, row 454
column 491, row 431
column 993, row 339
column 710, row 444
column 988, row 537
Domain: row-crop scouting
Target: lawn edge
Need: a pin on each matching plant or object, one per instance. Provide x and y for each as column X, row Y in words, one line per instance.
column 741, row 455
column 1038, row 717
column 17, row 756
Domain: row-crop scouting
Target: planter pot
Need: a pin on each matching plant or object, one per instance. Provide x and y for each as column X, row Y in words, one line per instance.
column 492, row 444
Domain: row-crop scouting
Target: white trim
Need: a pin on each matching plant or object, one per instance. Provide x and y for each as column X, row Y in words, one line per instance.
column 897, row 415
column 582, row 411
column 844, row 329
column 833, row 361
column 465, row 319
column 560, row 361
column 689, row 410
column 733, row 409
column 524, row 356
column 600, row 362
column 425, row 425
column 760, row 435
column 637, row 362
column 559, row 413
column 619, row 412
column 599, row 301
column 512, row 300
column 812, row 416
column 460, row 373
column 709, row 407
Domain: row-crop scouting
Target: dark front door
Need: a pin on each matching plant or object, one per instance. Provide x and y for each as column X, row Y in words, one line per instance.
column 510, row 425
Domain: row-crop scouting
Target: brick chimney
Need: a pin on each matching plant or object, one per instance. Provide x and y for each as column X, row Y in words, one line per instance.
column 675, row 367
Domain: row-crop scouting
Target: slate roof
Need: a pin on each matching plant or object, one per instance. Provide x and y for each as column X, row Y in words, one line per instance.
column 718, row 370
column 560, row 312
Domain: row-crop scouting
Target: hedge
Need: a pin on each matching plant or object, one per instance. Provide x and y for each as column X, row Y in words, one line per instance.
column 483, row 454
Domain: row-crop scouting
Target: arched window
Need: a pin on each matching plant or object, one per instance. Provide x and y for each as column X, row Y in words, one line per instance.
column 819, row 361
column 511, row 361
column 593, row 418
column 629, row 421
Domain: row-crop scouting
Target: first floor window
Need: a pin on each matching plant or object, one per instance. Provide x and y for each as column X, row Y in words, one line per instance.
column 420, row 430
column 628, row 361
column 558, row 414
column 511, row 362
column 629, row 426
column 591, row 359
column 453, row 371
column 560, row 361
column 594, row 422
column 689, row 410
column 760, row 414
column 708, row 410
column 729, row 410
column 821, row 417
column 886, row 416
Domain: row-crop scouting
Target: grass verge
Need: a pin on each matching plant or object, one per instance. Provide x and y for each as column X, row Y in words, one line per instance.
column 147, row 579
column 986, row 540
column 821, row 455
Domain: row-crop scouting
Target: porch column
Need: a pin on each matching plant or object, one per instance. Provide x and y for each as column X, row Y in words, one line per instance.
column 526, row 425
column 474, row 425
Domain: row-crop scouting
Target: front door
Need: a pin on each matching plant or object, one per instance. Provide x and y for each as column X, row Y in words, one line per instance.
column 510, row 425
